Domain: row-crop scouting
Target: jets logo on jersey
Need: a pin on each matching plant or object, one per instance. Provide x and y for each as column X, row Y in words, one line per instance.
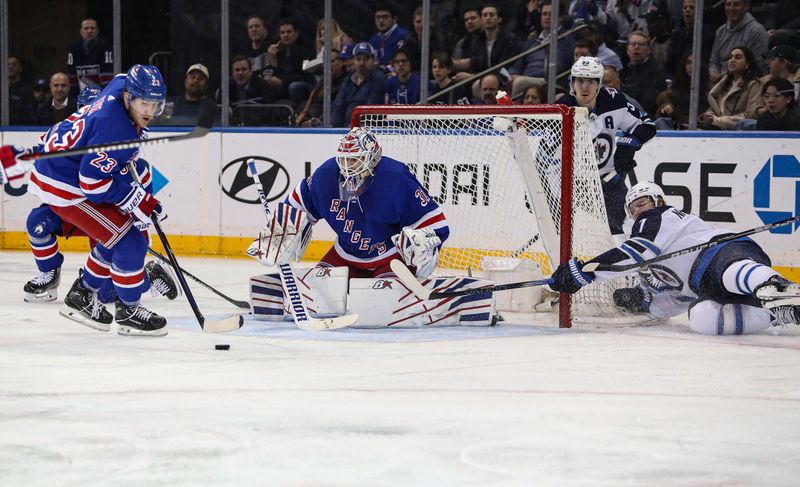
column 658, row 278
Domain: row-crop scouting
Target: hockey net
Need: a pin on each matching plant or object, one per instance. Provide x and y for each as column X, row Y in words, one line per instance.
column 504, row 176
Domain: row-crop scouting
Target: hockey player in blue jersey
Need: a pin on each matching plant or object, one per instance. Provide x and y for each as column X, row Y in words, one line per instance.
column 95, row 193
column 728, row 288
column 609, row 112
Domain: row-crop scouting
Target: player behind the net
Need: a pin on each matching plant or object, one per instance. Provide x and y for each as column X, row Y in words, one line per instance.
column 96, row 194
column 609, row 112
column 44, row 226
column 379, row 212
column 728, row 288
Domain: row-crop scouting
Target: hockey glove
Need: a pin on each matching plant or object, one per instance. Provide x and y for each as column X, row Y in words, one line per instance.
column 624, row 153
column 10, row 168
column 141, row 205
column 285, row 237
column 633, row 299
column 419, row 248
column 569, row 278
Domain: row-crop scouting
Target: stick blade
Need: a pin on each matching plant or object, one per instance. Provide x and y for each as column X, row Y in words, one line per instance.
column 590, row 267
column 231, row 323
column 328, row 324
column 409, row 280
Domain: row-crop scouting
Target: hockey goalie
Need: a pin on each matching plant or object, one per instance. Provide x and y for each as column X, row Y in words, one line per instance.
column 379, row 212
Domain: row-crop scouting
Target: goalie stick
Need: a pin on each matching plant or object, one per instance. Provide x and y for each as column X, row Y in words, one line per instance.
column 235, row 302
column 596, row 266
column 302, row 317
column 204, row 121
column 410, row 281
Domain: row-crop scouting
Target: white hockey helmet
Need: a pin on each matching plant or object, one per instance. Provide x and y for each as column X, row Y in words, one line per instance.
column 645, row 188
column 586, row 67
column 357, row 156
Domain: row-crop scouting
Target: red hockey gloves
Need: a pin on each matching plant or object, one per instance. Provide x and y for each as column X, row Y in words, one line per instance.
column 141, row 205
column 623, row 155
column 569, row 278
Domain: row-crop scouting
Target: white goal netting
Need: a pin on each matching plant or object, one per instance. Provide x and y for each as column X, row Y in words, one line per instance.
column 501, row 189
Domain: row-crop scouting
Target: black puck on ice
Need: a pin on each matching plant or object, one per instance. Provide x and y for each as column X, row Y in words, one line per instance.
column 222, row 347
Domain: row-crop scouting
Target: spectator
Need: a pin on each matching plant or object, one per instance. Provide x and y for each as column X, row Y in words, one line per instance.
column 338, row 37
column 287, row 57
column 20, row 94
column 583, row 48
column 532, row 67
column 782, row 63
column 740, row 29
column 347, row 58
column 404, row 87
column 413, row 43
column 489, row 86
column 246, row 89
column 526, row 22
column 311, row 115
column 659, row 25
column 682, row 37
column 594, row 34
column 627, row 16
column 441, row 66
column 366, row 86
column 736, row 96
column 90, row 60
column 389, row 38
column 463, row 48
column 673, row 103
column 587, row 11
column 534, row 95
column 41, row 96
column 61, row 105
column 260, row 62
column 611, row 80
column 186, row 108
column 641, row 78
column 782, row 112
column 492, row 44
column 783, row 23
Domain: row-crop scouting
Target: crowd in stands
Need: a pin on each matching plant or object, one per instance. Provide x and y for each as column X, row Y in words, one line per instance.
column 750, row 68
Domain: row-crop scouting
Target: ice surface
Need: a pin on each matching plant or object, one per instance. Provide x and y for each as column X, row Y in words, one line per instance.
column 522, row 404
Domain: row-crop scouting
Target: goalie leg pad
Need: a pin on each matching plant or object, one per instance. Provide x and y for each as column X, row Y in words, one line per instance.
column 323, row 290
column 384, row 303
column 712, row 318
column 266, row 297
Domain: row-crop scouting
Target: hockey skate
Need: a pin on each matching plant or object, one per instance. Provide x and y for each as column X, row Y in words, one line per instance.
column 137, row 320
column 43, row 287
column 161, row 282
column 777, row 291
column 84, row 307
column 785, row 315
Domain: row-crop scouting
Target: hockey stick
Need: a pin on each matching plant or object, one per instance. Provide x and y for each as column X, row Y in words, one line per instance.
column 525, row 246
column 300, row 313
column 204, row 121
column 209, row 326
column 596, row 266
column 410, row 281
column 235, row 302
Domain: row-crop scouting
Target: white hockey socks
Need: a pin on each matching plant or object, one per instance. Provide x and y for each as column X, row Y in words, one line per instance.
column 744, row 276
column 712, row 318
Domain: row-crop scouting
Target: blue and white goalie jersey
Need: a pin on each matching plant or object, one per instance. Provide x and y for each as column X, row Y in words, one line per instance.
column 612, row 112
column 657, row 231
column 364, row 225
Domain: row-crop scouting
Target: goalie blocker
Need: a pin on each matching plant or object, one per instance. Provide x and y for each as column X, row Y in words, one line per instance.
column 380, row 303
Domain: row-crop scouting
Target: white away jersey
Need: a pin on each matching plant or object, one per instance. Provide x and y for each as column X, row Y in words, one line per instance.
column 613, row 113
column 657, row 231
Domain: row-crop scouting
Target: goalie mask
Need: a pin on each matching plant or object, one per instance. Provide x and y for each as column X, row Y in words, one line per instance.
column 645, row 188
column 357, row 156
column 586, row 67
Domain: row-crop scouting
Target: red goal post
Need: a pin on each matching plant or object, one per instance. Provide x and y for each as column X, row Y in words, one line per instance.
column 503, row 174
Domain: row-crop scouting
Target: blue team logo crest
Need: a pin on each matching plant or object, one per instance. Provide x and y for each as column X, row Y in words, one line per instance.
column 778, row 180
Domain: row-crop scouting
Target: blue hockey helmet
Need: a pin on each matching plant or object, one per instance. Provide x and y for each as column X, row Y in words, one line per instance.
column 88, row 95
column 145, row 83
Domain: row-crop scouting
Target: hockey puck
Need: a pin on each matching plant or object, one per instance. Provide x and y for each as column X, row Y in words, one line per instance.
column 222, row 347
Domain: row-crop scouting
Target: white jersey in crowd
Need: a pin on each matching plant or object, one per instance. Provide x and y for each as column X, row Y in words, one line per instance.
column 612, row 112
column 658, row 231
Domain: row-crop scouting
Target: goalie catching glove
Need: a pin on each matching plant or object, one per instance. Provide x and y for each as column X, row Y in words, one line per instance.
column 285, row 237
column 141, row 205
column 418, row 248
column 10, row 168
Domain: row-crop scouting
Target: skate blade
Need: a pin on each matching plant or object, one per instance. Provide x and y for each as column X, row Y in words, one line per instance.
column 134, row 332
column 45, row 297
column 220, row 326
column 76, row 316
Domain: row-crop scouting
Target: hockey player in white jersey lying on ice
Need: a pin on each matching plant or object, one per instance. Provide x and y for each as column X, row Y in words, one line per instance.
column 379, row 212
column 728, row 289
